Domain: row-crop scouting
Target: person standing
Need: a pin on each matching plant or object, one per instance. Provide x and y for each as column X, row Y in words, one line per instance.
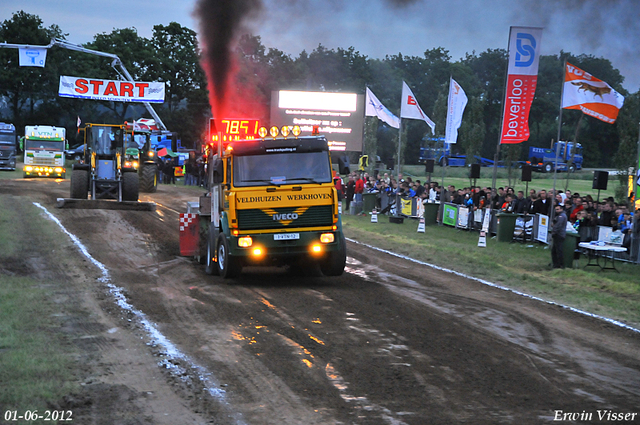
column 351, row 188
column 359, row 189
column 558, row 234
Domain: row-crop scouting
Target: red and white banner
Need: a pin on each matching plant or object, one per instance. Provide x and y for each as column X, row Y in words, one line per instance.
column 409, row 108
column 121, row 91
column 590, row 95
column 524, row 56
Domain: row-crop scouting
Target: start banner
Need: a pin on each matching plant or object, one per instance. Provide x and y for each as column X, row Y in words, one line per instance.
column 524, row 56
column 120, row 91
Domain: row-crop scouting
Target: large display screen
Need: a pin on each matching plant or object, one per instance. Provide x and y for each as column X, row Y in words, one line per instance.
column 338, row 116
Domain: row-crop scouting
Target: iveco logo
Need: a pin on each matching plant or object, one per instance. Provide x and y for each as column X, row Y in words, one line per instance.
column 291, row 216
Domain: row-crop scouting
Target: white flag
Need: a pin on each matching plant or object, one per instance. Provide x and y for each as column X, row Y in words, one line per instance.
column 457, row 103
column 375, row 108
column 33, row 56
column 410, row 108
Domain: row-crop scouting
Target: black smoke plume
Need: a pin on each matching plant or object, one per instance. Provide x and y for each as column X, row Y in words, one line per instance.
column 220, row 23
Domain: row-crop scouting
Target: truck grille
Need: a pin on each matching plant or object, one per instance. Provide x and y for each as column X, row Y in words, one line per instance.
column 45, row 161
column 283, row 218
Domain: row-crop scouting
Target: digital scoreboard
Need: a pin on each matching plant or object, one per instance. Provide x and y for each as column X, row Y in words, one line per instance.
column 338, row 116
column 231, row 129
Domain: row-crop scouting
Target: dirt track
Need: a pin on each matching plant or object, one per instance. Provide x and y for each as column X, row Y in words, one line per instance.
column 389, row 342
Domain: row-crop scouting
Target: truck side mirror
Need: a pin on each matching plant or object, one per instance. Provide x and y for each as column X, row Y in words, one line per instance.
column 218, row 171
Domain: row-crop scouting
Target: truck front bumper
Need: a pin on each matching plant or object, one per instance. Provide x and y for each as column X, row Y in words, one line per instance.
column 43, row 171
column 262, row 246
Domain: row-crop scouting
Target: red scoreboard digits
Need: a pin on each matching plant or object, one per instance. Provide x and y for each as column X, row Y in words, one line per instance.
column 235, row 129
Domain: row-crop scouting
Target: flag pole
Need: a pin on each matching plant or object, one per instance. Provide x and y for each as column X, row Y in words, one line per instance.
column 504, row 102
column 555, row 167
column 399, row 148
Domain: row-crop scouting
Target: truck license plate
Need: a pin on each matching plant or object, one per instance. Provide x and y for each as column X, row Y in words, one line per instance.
column 286, row 236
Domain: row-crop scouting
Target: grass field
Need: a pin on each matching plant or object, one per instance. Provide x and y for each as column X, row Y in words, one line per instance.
column 35, row 356
column 523, row 267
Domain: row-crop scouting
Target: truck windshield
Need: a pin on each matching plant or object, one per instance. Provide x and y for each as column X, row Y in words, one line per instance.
column 281, row 168
column 46, row 145
column 7, row 139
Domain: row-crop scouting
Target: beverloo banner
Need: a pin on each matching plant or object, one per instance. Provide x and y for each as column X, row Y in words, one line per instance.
column 522, row 78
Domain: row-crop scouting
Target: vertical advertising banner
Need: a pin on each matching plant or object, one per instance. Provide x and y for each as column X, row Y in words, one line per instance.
column 638, row 180
column 522, row 78
column 457, row 102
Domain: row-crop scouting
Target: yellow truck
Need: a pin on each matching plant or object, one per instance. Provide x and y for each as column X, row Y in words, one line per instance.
column 270, row 201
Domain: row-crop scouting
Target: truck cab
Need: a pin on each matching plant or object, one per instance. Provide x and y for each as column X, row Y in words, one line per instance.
column 272, row 201
column 8, row 144
column 567, row 156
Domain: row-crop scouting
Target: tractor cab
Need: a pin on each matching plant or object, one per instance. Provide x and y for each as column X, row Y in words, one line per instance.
column 105, row 172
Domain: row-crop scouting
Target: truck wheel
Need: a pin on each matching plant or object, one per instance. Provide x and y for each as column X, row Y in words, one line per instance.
column 228, row 265
column 79, row 184
column 148, row 178
column 333, row 264
column 130, row 186
column 211, row 267
column 548, row 167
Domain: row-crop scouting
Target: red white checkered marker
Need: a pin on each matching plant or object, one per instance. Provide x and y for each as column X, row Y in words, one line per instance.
column 189, row 234
column 185, row 220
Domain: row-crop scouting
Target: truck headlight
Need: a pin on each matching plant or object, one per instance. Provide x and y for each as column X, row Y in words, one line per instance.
column 245, row 242
column 327, row 238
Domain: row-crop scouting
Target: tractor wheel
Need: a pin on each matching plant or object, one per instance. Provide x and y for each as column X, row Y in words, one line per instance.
column 333, row 264
column 130, row 186
column 548, row 167
column 79, row 184
column 149, row 178
column 228, row 265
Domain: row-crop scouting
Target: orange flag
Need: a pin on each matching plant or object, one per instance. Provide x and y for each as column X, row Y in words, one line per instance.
column 590, row 95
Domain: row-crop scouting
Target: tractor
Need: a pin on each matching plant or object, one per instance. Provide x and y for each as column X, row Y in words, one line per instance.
column 140, row 155
column 105, row 173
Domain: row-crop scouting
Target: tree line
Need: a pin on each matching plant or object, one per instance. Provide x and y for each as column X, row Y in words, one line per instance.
column 172, row 55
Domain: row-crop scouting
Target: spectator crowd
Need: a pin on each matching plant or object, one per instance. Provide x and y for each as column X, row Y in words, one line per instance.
column 583, row 212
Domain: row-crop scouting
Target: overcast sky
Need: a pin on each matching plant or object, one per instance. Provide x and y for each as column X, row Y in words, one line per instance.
column 604, row 28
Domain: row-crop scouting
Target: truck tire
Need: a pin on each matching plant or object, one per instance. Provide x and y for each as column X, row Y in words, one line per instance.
column 79, row 184
column 333, row 264
column 548, row 168
column 228, row 265
column 130, row 186
column 149, row 178
column 211, row 266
